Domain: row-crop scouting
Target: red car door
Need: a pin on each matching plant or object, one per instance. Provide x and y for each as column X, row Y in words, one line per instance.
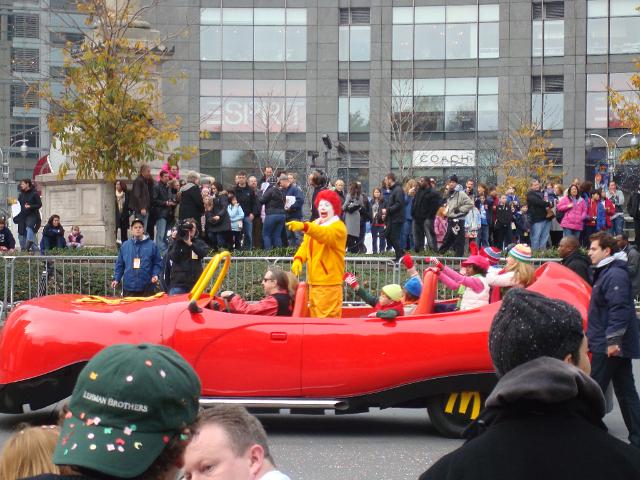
column 241, row 355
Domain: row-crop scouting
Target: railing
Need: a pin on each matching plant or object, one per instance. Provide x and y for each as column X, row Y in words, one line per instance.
column 26, row 277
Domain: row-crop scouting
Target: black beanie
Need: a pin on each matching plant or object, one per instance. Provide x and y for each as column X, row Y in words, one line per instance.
column 453, row 178
column 529, row 325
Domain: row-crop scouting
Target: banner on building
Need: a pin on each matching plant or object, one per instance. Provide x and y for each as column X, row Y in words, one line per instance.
column 444, row 158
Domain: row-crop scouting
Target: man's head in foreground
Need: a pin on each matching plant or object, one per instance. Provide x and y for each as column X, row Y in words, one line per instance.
column 228, row 444
column 529, row 325
column 130, row 414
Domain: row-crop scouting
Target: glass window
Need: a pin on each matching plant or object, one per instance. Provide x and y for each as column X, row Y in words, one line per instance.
column 428, row 86
column 343, row 43
column 597, row 82
column 460, row 113
column 402, row 87
column 614, row 120
column 237, row 88
column 536, row 38
column 237, row 43
column 296, row 88
column 402, row 15
column 296, row 44
column 210, row 16
column 596, row 110
column 597, row 8
column 358, row 115
column 429, row 42
column 360, row 44
column 343, row 115
column 429, row 114
column 268, row 16
column 237, row 16
column 548, row 110
column 597, row 36
column 270, row 114
column 210, row 114
column 268, row 44
column 296, row 16
column 489, row 40
column 624, row 8
column 462, row 40
column 621, row 81
column 210, row 87
column 237, row 114
column 487, row 113
column 554, row 38
column 461, row 86
column 430, row 15
column 462, row 13
column 490, row 13
column 488, row 85
column 210, row 43
column 624, row 35
column 296, row 115
column 271, row 88
column 402, row 42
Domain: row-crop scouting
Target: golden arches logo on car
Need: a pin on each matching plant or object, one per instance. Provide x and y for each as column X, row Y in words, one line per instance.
column 466, row 399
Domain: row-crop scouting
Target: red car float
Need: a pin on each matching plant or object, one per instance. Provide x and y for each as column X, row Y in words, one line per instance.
column 348, row 364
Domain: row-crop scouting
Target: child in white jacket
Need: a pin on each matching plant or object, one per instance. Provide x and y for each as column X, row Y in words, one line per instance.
column 236, row 214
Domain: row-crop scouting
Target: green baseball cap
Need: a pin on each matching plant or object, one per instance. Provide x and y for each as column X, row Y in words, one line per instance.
column 128, row 403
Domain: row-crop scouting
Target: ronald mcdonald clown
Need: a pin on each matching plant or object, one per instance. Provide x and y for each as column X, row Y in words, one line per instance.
column 323, row 249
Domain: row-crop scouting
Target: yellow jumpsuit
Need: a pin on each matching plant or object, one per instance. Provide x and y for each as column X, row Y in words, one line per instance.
column 323, row 250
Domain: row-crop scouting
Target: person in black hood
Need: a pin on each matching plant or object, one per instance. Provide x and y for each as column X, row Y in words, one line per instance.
column 543, row 419
column 574, row 259
column 28, row 220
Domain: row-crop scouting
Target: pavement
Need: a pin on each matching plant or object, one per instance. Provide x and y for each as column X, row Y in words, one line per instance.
column 394, row 444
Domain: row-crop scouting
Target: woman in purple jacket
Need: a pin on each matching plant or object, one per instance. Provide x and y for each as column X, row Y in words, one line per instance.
column 575, row 211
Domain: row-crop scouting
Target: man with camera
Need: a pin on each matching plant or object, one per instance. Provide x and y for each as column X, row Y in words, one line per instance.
column 185, row 258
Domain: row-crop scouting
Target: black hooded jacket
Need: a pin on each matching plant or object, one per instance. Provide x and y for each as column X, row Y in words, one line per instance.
column 543, row 420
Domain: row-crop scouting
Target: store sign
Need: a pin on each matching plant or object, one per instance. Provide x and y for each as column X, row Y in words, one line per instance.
column 444, row 158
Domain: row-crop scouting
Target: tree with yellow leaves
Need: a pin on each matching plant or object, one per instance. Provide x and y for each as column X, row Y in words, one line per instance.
column 523, row 157
column 627, row 108
column 107, row 118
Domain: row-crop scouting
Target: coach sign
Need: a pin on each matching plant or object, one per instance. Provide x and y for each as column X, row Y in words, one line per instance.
column 444, row 158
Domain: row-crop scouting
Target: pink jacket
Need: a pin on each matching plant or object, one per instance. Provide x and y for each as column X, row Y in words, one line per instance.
column 573, row 217
column 440, row 227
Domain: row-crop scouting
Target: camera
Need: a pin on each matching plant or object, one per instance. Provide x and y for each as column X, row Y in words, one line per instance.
column 184, row 229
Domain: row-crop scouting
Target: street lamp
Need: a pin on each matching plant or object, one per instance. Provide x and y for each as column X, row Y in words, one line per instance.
column 612, row 151
column 6, row 164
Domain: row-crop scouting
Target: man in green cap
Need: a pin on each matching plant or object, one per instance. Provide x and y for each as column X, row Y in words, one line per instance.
column 129, row 416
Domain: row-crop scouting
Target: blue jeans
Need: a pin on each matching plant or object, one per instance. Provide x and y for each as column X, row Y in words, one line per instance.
column 483, row 236
column 618, row 370
column 540, row 234
column 294, row 239
column 247, row 233
column 272, row 231
column 569, row 232
column 144, row 218
column 406, row 238
column 177, row 291
column 617, row 225
column 377, row 236
column 161, row 235
column 29, row 237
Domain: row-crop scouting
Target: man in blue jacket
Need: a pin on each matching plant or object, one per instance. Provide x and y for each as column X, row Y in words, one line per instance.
column 294, row 212
column 138, row 265
column 613, row 329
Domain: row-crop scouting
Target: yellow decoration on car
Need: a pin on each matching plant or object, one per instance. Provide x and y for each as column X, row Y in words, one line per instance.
column 117, row 301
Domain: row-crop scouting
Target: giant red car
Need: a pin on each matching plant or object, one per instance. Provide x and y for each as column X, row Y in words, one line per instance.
column 348, row 364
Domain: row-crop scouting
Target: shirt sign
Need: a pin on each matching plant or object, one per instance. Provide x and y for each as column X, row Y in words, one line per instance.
column 444, row 158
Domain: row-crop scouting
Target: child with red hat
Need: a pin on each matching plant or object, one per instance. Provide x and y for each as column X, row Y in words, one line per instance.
column 323, row 250
column 472, row 287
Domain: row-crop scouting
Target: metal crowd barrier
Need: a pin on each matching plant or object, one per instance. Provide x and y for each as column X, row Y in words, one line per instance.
column 27, row 277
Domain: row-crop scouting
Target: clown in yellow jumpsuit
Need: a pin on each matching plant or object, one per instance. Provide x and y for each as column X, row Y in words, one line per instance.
column 323, row 250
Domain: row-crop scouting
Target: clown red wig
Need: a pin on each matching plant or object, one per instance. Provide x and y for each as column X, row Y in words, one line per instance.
column 331, row 197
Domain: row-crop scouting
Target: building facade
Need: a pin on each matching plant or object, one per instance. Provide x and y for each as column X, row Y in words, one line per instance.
column 425, row 87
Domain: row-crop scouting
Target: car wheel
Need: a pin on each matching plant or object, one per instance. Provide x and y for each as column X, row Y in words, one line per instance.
column 451, row 413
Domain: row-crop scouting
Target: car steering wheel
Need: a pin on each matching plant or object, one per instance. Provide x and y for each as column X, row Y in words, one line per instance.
column 207, row 274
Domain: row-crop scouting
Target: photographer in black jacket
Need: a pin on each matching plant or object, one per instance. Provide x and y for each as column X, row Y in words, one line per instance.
column 185, row 258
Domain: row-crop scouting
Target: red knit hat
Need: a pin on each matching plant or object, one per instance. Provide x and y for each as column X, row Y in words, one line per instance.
column 331, row 197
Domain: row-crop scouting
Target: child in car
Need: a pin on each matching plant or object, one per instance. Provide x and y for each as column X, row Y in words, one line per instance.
column 472, row 286
column 387, row 306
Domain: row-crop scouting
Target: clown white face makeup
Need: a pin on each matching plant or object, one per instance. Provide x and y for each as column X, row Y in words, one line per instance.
column 325, row 210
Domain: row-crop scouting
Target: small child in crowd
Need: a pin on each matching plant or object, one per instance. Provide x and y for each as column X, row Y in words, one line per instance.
column 7, row 241
column 75, row 237
column 440, row 226
column 236, row 215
